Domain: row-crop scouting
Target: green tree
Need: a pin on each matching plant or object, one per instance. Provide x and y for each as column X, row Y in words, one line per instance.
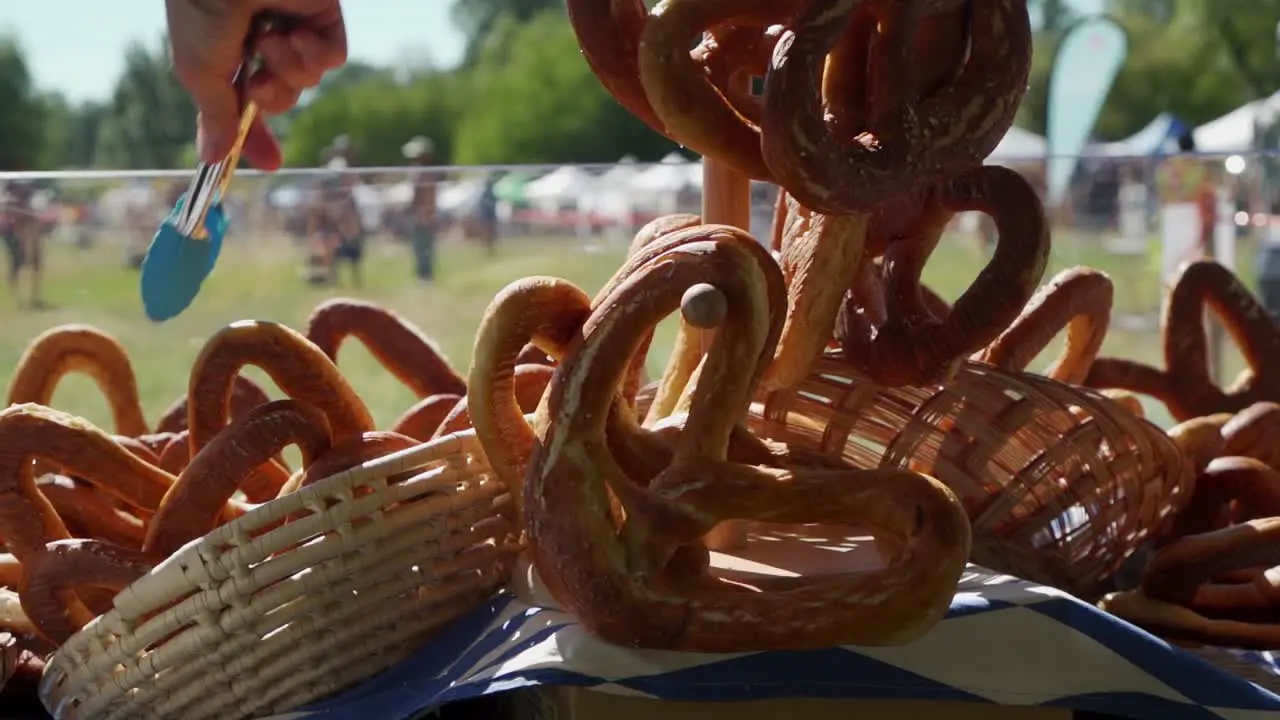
column 22, row 111
column 477, row 18
column 149, row 120
column 536, row 101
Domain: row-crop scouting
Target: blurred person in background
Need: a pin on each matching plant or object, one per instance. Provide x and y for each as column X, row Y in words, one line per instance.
column 335, row 227
column 487, row 214
column 24, row 229
column 424, row 216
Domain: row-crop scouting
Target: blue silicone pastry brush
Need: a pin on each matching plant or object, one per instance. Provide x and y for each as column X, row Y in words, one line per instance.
column 185, row 249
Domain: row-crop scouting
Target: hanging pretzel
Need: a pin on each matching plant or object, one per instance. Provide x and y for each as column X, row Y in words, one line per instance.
column 1186, row 387
column 1179, row 580
column 299, row 368
column 398, row 345
column 1078, row 299
column 908, row 141
column 583, row 554
column 245, row 396
column 48, row 581
column 194, row 504
column 912, row 346
column 80, row 348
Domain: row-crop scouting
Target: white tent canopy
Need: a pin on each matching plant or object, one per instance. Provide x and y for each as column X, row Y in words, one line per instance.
column 1234, row 132
column 673, row 174
column 566, row 184
column 1019, row 144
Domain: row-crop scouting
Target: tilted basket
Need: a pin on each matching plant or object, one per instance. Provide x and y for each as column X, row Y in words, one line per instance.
column 1062, row 484
column 299, row 598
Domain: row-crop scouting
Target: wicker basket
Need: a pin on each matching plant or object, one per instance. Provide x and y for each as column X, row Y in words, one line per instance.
column 259, row 617
column 1062, row 484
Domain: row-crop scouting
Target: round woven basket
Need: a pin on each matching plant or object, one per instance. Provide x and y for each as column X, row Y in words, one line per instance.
column 300, row 598
column 1062, row 484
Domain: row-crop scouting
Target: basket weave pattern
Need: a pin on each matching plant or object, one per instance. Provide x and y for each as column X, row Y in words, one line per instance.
column 300, row 598
column 1062, row 484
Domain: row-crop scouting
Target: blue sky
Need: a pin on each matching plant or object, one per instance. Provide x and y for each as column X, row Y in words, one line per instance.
column 77, row 46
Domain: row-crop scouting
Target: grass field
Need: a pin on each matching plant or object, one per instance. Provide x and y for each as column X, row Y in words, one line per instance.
column 260, row 280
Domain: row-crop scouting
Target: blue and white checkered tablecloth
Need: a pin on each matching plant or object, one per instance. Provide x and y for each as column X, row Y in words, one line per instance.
column 1005, row 641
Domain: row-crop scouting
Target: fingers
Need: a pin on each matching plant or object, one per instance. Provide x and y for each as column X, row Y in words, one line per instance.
column 261, row 149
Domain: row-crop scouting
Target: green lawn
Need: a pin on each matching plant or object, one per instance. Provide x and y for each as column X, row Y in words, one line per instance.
column 260, row 280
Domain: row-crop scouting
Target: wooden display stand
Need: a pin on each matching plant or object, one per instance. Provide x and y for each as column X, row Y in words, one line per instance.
column 780, row 551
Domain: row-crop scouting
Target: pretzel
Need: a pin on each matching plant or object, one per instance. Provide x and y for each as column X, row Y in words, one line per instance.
column 1180, row 576
column 585, row 554
column 49, row 580
column 80, row 348
column 529, row 383
column 1200, row 439
column 1185, row 387
column 245, row 396
column 1254, row 432
column 912, row 346
column 193, row 505
column 299, row 368
column 398, row 345
column 1078, row 299
column 1229, row 488
column 88, row 512
column 909, row 141
column 543, row 311
column 424, row 417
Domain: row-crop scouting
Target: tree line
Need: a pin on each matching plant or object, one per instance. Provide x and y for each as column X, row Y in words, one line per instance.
column 523, row 94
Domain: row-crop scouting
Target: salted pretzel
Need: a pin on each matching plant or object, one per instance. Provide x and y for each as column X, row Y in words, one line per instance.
column 1185, row 386
column 1078, row 299
column 1254, row 432
column 245, row 396
column 299, row 368
column 80, row 348
column 913, row 347
column 909, row 140
column 196, row 502
column 584, row 552
column 1180, row 600
column 65, row 566
column 398, row 345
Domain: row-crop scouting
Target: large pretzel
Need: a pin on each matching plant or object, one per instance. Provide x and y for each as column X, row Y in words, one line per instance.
column 912, row 346
column 1185, row 387
column 401, row 347
column 909, row 141
column 1179, row 599
column 299, row 368
column 196, row 502
column 80, row 348
column 1254, row 432
column 28, row 521
column 1078, row 299
column 245, row 396
column 89, row 512
column 528, row 382
column 50, row 580
column 1229, row 489
column 614, row 578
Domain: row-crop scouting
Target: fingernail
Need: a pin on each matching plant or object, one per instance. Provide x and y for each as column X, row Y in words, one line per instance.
column 209, row 147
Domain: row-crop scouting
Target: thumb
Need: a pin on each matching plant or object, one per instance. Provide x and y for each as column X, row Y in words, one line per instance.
column 219, row 119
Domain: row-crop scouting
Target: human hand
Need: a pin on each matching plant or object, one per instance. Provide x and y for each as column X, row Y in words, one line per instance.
column 207, row 39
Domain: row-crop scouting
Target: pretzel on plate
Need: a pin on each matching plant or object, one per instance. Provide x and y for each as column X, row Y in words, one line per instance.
column 909, row 140
column 615, row 575
column 912, row 346
column 197, row 500
column 398, row 345
column 1185, row 386
column 299, row 368
column 1179, row 598
column 51, row 579
column 65, row 349
column 1078, row 299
